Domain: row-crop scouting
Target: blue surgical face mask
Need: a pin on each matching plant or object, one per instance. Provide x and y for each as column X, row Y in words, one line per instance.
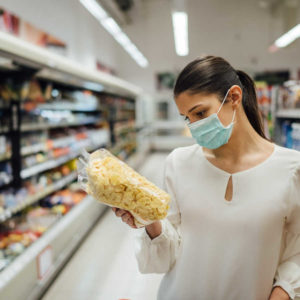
column 210, row 132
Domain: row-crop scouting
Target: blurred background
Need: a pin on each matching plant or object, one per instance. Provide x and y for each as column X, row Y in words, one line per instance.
column 86, row 74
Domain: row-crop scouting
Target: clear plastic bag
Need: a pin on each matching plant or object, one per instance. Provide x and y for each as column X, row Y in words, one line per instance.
column 114, row 183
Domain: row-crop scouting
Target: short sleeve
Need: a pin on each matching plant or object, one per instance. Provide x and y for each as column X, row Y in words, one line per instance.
column 159, row 254
column 288, row 272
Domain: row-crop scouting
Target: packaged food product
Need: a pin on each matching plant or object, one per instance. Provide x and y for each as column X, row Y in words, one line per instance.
column 111, row 181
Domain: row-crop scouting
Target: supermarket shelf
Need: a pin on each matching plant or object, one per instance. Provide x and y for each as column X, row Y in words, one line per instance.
column 33, row 149
column 7, row 183
column 121, row 144
column 63, row 238
column 74, row 107
column 119, row 131
column 38, row 196
column 5, row 156
column 53, row 163
column 123, row 120
column 41, row 126
column 4, row 130
column 49, row 164
column 57, row 143
column 16, row 48
column 288, row 113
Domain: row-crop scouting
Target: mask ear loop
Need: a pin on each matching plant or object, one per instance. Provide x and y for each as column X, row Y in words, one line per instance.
column 223, row 100
column 233, row 116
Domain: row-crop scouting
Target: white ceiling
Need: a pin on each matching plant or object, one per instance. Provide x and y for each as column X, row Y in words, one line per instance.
column 238, row 30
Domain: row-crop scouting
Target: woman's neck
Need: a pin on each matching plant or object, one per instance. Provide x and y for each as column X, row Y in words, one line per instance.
column 244, row 140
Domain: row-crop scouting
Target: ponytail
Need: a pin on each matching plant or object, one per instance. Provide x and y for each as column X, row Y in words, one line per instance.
column 250, row 103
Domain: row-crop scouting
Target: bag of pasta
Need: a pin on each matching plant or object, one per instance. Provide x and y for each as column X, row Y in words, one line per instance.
column 112, row 182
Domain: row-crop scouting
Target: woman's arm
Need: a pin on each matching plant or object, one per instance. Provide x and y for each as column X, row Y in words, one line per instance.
column 158, row 245
column 279, row 294
column 287, row 275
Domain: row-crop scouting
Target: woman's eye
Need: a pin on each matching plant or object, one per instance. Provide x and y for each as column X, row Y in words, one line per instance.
column 200, row 113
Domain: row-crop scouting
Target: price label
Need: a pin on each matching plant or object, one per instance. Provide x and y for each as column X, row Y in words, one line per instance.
column 44, row 263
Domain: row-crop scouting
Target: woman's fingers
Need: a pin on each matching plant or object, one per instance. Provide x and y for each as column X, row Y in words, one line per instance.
column 120, row 212
column 131, row 223
column 125, row 215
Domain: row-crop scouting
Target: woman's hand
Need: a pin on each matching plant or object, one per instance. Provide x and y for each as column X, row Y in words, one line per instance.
column 279, row 293
column 154, row 229
column 125, row 215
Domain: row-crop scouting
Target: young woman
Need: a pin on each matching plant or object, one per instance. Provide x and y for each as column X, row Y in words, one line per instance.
column 233, row 229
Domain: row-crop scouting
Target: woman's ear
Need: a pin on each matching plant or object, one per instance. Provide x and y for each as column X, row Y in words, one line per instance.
column 236, row 95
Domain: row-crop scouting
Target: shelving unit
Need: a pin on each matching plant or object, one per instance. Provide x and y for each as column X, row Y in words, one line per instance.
column 287, row 115
column 46, row 133
column 168, row 132
column 34, row 127
column 63, row 238
column 38, row 196
column 5, row 156
column 61, row 69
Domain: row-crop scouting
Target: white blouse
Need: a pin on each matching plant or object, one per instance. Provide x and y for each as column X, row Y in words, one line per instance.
column 214, row 249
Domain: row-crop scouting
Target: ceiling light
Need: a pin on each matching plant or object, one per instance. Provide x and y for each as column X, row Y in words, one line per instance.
column 180, row 28
column 94, row 8
column 131, row 48
column 122, row 39
column 111, row 26
column 288, row 37
column 114, row 29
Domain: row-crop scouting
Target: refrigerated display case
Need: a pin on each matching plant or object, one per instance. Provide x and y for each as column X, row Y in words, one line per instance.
column 51, row 108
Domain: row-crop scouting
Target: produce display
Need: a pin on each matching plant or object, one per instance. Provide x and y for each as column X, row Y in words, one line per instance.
column 111, row 181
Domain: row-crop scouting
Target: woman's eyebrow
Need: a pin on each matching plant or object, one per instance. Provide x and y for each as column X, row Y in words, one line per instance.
column 193, row 108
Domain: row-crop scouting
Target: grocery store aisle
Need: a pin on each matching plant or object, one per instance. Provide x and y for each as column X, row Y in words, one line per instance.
column 105, row 268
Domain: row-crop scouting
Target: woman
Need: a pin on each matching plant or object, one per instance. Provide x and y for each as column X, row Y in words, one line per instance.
column 233, row 228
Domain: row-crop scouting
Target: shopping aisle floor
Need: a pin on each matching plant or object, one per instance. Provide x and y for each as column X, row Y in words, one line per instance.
column 105, row 267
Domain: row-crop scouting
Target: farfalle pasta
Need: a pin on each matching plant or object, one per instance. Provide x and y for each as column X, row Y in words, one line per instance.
column 111, row 181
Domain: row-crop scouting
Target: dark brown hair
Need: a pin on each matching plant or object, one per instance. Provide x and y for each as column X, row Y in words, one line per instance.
column 214, row 75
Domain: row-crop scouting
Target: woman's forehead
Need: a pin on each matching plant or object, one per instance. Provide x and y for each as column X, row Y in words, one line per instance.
column 188, row 99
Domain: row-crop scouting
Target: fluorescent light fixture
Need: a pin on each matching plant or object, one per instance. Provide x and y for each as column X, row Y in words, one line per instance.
column 111, row 26
column 114, row 29
column 143, row 62
column 180, row 28
column 94, row 8
column 131, row 48
column 288, row 37
column 122, row 39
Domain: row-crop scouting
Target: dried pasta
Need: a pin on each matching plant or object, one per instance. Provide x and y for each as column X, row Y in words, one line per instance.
column 111, row 181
